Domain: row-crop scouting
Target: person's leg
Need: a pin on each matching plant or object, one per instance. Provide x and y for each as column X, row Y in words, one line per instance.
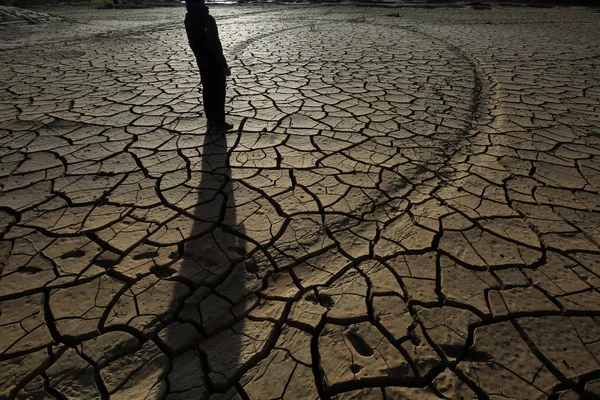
column 220, row 98
column 213, row 82
column 208, row 89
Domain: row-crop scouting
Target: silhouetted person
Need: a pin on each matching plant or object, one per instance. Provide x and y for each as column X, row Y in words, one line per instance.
column 203, row 37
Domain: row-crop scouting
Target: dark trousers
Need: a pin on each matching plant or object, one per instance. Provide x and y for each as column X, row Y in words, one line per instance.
column 213, row 94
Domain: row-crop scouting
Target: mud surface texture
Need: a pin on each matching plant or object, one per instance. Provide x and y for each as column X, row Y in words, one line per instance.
column 408, row 206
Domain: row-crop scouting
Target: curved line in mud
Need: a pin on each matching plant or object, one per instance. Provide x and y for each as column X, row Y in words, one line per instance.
column 242, row 45
column 480, row 92
column 481, row 87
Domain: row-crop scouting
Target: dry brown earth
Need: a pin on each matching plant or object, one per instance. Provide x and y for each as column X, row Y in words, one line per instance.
column 409, row 206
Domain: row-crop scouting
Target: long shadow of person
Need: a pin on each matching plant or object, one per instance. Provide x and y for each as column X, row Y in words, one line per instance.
column 209, row 335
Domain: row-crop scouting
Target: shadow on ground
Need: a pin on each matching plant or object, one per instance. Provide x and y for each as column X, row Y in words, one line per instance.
column 215, row 269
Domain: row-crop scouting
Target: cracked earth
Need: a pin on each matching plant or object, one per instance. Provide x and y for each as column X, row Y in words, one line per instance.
column 409, row 207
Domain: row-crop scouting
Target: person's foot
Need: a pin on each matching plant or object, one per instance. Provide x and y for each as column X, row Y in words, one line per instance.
column 224, row 127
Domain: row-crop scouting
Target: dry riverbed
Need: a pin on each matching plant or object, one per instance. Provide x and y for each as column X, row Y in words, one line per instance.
column 408, row 206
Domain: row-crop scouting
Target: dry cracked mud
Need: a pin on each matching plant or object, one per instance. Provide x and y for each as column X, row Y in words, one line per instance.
column 409, row 207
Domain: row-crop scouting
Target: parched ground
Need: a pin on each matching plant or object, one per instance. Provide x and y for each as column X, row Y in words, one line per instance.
column 409, row 206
